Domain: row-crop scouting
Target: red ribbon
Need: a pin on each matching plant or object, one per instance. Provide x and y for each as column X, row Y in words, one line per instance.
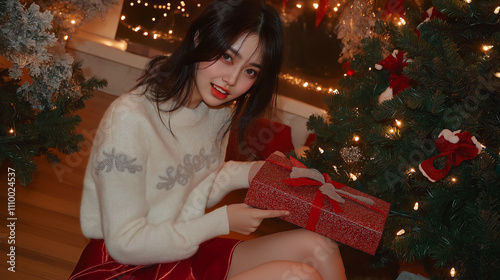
column 346, row 66
column 284, row 4
column 319, row 198
column 397, row 81
column 455, row 153
column 321, row 11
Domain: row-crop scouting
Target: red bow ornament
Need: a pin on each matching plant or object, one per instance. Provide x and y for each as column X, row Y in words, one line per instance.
column 456, row 147
column 393, row 9
column 394, row 63
column 430, row 14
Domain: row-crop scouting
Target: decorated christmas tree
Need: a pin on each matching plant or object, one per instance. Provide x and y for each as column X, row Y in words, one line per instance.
column 41, row 85
column 417, row 123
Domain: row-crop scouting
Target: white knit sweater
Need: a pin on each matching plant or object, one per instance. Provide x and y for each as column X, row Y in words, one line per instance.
column 146, row 189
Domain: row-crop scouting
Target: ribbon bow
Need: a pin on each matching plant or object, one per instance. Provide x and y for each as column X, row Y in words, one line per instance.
column 394, row 63
column 300, row 176
column 430, row 14
column 456, row 147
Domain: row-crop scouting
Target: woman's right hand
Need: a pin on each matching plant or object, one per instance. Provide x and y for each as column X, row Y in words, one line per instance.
column 245, row 219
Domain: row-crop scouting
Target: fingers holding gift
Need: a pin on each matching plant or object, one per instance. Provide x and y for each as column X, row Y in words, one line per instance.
column 245, row 219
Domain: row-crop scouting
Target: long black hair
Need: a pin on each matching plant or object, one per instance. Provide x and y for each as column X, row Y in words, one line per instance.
column 215, row 30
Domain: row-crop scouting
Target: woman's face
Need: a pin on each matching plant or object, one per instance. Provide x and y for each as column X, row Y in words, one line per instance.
column 229, row 77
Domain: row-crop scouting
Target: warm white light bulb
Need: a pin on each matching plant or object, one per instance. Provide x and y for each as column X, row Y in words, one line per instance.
column 497, row 10
column 315, row 5
column 453, row 272
column 487, row 47
column 400, row 232
column 356, row 138
column 11, row 131
column 415, row 207
column 321, row 150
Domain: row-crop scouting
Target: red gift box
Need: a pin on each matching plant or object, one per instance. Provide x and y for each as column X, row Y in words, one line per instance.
column 354, row 222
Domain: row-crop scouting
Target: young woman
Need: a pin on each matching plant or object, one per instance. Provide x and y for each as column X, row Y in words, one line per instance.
column 157, row 164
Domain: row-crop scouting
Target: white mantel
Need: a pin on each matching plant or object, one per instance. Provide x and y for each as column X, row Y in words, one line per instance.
column 105, row 57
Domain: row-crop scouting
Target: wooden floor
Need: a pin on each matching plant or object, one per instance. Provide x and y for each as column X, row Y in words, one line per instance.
column 48, row 240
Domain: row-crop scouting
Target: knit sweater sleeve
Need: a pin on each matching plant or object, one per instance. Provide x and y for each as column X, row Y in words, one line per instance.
column 119, row 175
column 232, row 175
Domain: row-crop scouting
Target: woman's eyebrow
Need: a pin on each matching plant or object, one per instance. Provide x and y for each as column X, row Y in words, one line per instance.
column 236, row 53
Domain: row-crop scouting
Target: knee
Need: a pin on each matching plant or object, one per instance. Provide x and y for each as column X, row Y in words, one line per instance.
column 317, row 242
column 297, row 271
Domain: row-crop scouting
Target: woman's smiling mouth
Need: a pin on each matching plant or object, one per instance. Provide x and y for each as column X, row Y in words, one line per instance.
column 219, row 92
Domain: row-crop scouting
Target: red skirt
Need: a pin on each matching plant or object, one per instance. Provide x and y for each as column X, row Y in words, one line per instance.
column 210, row 262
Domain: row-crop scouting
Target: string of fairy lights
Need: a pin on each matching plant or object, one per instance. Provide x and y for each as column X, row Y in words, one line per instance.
column 164, row 10
column 158, row 12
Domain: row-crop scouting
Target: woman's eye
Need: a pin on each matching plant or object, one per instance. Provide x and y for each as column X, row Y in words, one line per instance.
column 252, row 73
column 226, row 57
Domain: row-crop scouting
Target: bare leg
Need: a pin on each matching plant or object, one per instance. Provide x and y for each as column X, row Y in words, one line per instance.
column 300, row 249
column 279, row 270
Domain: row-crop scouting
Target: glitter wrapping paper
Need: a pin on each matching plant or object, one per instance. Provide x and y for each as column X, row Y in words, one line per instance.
column 356, row 226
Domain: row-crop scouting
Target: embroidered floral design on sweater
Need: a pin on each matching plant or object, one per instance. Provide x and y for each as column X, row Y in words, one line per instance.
column 120, row 161
column 186, row 170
